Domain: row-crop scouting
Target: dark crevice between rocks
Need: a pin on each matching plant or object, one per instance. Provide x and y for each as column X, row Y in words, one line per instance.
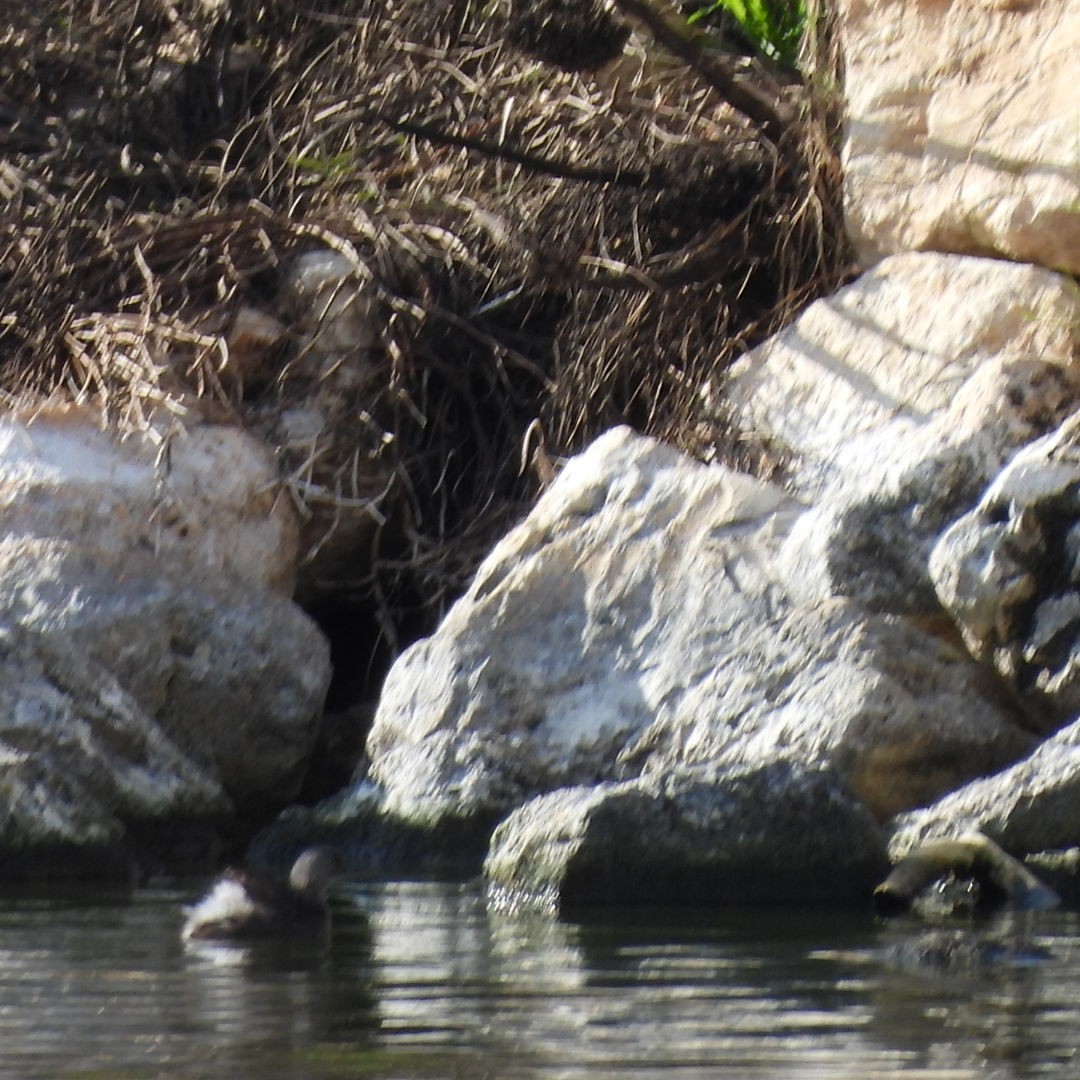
column 360, row 655
column 1044, row 552
column 375, row 846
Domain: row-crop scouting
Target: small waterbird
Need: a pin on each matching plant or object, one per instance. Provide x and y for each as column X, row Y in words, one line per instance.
column 244, row 906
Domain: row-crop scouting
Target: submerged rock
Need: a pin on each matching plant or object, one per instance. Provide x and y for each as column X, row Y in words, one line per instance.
column 963, row 951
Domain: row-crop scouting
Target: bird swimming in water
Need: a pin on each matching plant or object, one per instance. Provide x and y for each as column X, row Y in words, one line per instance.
column 242, row 906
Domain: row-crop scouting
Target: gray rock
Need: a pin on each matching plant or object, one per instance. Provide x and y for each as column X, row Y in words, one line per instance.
column 891, row 422
column 780, row 834
column 873, row 544
column 1007, row 573
column 637, row 623
column 235, row 676
column 80, row 762
column 1032, row 806
column 170, row 567
column 1060, row 869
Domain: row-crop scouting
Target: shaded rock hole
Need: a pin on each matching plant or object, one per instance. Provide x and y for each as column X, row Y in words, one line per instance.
column 361, row 654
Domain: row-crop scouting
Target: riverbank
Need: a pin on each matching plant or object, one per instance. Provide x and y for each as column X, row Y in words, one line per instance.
column 541, row 391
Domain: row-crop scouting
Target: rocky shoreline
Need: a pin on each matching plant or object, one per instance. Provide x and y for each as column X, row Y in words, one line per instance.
column 671, row 681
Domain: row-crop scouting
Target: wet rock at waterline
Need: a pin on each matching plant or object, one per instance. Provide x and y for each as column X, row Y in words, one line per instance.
column 636, row 624
column 779, row 833
column 81, row 764
column 1009, row 575
column 1060, row 869
column 373, row 842
column 174, row 580
column 891, row 423
column 970, row 874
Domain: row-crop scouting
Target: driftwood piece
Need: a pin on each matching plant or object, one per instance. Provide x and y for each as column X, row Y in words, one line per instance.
column 1003, row 881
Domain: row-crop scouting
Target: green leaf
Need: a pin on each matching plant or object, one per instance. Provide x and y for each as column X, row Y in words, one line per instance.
column 775, row 27
column 329, row 168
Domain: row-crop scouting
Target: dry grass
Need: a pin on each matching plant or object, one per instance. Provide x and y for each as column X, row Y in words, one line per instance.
column 553, row 250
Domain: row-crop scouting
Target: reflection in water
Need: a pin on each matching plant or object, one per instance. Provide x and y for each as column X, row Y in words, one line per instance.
column 423, row 980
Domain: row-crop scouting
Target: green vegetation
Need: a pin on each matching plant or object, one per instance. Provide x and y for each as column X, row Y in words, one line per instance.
column 774, row 27
column 334, row 167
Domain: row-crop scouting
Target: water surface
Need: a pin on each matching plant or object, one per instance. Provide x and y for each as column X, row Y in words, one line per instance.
column 425, row 980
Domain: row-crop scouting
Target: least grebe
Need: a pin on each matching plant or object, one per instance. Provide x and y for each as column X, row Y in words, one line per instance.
column 244, row 905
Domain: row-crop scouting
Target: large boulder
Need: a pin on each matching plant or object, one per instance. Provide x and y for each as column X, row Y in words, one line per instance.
column 893, row 403
column 637, row 623
column 174, row 578
column 779, row 833
column 82, row 765
column 1008, row 573
column 961, row 128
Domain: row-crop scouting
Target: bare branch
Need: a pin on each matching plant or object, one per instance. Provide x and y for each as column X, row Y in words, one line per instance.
column 768, row 112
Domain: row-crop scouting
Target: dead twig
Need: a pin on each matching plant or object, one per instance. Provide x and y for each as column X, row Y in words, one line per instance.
column 766, row 109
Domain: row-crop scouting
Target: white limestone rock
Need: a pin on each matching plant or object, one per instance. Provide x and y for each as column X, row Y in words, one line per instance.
column 895, row 401
column 961, row 128
column 173, row 576
column 636, row 623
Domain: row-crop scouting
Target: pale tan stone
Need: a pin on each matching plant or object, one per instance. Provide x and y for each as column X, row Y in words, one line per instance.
column 924, row 354
column 208, row 496
column 963, row 128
